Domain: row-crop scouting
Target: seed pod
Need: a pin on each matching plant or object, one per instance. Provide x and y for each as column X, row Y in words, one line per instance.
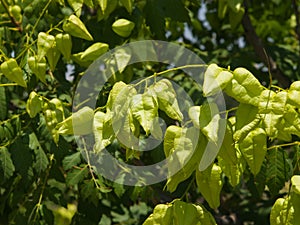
column 74, row 26
column 38, row 67
column 123, row 27
column 64, row 44
column 13, row 72
column 94, row 51
column 45, row 43
column 33, row 104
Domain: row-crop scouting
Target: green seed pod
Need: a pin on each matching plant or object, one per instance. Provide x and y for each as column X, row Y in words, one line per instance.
column 38, row 67
column 64, row 44
column 34, row 104
column 13, row 72
column 75, row 27
column 94, row 51
column 123, row 27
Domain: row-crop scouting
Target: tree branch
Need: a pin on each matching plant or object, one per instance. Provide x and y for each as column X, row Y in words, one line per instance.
column 12, row 19
column 258, row 46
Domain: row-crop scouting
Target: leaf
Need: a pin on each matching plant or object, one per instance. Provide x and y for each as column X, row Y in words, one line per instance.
column 71, row 160
column 282, row 212
column 278, row 170
column 76, row 175
column 76, row 6
column 194, row 114
column 254, row 148
column 94, row 51
column 74, row 26
column 144, row 109
column 7, row 165
column 166, row 98
column 34, row 104
column 215, row 80
column 45, row 42
column 123, row 27
column 13, row 72
column 122, row 57
column 41, row 161
column 103, row 130
column 230, row 159
column 180, row 213
column 209, row 121
column 294, row 94
column 114, row 93
column 235, row 18
column 210, row 184
column 271, row 108
column 62, row 215
column 246, row 120
column 184, row 148
column 3, row 104
column 79, row 123
column 244, row 87
column 64, row 44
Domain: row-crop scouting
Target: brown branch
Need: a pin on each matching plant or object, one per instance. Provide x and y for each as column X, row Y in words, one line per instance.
column 12, row 19
column 258, row 46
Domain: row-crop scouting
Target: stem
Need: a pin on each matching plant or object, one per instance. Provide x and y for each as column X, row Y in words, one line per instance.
column 171, row 70
column 10, row 84
column 188, row 188
column 284, row 145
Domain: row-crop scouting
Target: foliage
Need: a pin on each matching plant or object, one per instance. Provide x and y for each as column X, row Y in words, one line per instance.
column 46, row 178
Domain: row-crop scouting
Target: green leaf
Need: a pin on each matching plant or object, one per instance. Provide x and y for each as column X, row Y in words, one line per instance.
column 184, row 148
column 122, row 58
column 278, row 170
column 45, row 42
column 3, row 104
column 271, row 108
column 246, row 120
column 254, row 148
column 103, row 130
column 194, row 114
column 235, row 18
column 166, row 98
column 75, row 27
column 210, row 184
column 13, row 72
column 144, row 109
column 282, row 212
column 76, row 175
column 180, row 213
column 244, row 87
column 230, row 159
column 64, row 44
column 79, row 123
column 94, row 51
column 71, row 160
column 34, row 104
column 62, row 215
column 209, row 121
column 114, row 93
column 41, row 161
column 215, row 80
column 7, row 165
column 123, row 27
column 294, row 94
